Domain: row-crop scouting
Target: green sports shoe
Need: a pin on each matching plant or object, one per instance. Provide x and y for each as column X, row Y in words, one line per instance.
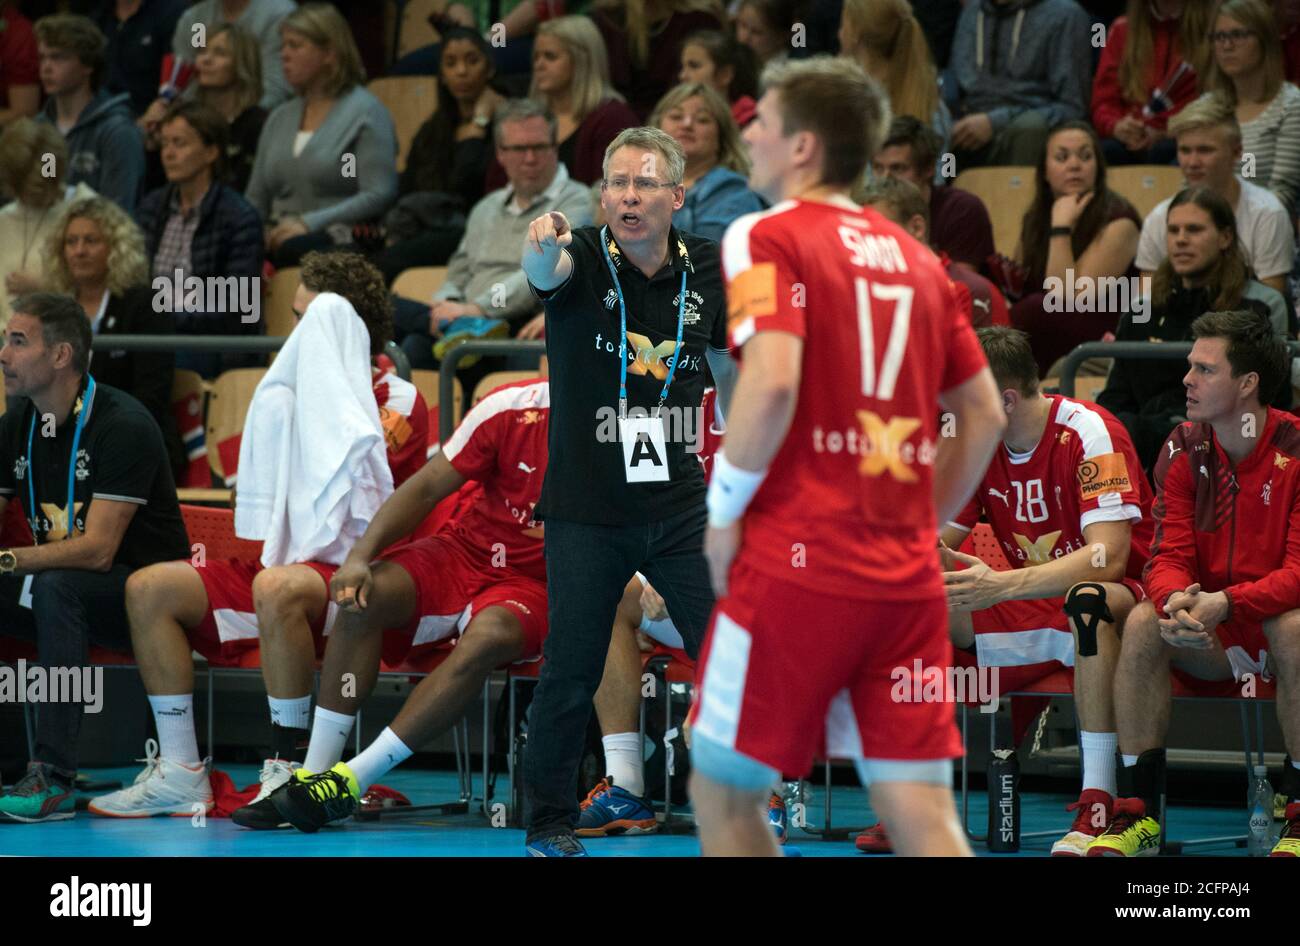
column 1131, row 832
column 38, row 798
column 317, row 800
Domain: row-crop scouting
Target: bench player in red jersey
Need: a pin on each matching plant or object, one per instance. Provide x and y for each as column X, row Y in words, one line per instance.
column 479, row 581
column 1068, row 503
column 852, row 342
column 223, row 608
column 1224, row 572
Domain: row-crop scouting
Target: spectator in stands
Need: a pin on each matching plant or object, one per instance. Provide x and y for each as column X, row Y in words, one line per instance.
column 227, row 76
column 885, row 39
column 105, row 149
column 717, row 59
column 959, row 221
column 643, row 40
column 447, row 166
column 717, row 163
column 327, row 158
column 767, row 27
column 220, row 609
column 1248, row 72
column 1021, row 69
column 1209, row 152
column 485, row 287
column 67, row 590
column 1204, row 272
column 1222, row 580
column 197, row 226
column 20, row 93
column 900, row 200
column 571, row 78
column 39, row 202
column 512, row 45
column 1151, row 64
column 139, row 34
column 1076, row 233
column 97, row 256
column 261, row 19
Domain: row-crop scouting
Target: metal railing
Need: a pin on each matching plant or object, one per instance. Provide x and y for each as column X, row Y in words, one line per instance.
column 1156, row 350
column 223, row 345
column 447, row 374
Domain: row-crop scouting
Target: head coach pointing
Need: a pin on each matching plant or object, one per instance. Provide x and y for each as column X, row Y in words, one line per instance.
column 635, row 310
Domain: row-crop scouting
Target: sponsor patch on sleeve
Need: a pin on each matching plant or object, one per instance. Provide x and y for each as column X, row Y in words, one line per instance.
column 1107, row 473
column 752, row 294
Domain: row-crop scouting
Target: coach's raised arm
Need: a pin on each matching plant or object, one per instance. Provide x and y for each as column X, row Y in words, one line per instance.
column 545, row 262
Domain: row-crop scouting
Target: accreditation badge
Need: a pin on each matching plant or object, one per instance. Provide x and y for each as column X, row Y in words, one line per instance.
column 645, row 454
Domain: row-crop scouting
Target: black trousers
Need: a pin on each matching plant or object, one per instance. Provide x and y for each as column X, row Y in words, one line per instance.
column 587, row 568
column 69, row 610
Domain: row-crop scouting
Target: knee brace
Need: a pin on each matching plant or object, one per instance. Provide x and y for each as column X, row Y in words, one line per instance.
column 1087, row 611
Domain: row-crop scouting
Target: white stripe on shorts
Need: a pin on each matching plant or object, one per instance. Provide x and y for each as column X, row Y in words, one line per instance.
column 724, row 682
column 1022, row 648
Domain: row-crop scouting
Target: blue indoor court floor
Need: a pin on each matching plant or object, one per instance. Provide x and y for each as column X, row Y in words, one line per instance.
column 469, row 835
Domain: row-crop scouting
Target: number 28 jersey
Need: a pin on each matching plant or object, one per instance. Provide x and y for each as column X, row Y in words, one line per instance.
column 847, row 507
column 1084, row 469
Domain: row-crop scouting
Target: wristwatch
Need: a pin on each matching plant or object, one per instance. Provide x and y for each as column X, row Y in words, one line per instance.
column 8, row 562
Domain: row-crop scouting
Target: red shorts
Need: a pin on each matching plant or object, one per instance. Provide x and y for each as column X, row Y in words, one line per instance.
column 1027, row 640
column 781, row 665
column 1246, row 647
column 229, row 630
column 453, row 582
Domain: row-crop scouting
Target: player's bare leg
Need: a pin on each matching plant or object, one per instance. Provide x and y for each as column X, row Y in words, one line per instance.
column 1142, row 709
column 163, row 602
column 922, row 818
column 1094, row 675
column 1283, row 633
column 961, row 629
column 493, row 638
column 288, row 599
column 618, row 700
column 732, row 821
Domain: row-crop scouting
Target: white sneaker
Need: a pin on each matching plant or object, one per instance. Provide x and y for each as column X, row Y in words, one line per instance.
column 275, row 772
column 163, row 788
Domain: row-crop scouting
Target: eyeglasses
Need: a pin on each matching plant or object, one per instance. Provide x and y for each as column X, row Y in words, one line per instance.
column 524, row 149
column 642, row 185
column 1230, row 38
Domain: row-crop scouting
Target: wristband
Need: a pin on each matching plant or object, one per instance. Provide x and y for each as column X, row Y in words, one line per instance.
column 1061, row 231
column 730, row 491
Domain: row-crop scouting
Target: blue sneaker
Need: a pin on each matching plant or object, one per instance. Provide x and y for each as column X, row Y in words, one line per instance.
column 610, row 810
column 556, row 845
column 776, row 817
column 469, row 328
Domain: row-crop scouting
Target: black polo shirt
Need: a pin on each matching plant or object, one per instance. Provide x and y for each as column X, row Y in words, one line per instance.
column 136, row 48
column 585, row 479
column 121, row 457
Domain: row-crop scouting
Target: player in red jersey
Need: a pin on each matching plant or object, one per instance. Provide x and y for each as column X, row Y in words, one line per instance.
column 852, row 341
column 1070, row 507
column 1224, row 572
column 480, row 580
column 221, row 607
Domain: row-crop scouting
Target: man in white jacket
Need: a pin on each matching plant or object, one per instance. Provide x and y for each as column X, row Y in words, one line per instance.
column 223, row 608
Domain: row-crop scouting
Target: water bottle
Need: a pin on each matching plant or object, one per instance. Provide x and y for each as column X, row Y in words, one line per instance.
column 1260, row 840
column 1004, row 801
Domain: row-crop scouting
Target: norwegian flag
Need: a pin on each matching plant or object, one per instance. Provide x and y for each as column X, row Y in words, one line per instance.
column 188, row 411
column 175, row 77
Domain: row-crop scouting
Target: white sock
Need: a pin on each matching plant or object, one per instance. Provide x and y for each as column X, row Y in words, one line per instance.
column 384, row 754
column 623, row 761
column 1129, row 760
column 329, row 734
column 291, row 714
column 1099, row 761
column 174, row 717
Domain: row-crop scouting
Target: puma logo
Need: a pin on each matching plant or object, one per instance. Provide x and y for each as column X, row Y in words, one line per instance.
column 1000, row 495
column 526, row 468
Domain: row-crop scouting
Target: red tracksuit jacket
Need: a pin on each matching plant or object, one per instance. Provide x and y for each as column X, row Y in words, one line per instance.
column 1108, row 102
column 1235, row 530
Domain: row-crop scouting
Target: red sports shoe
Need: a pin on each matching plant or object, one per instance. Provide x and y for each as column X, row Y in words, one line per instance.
column 1094, row 808
column 874, row 840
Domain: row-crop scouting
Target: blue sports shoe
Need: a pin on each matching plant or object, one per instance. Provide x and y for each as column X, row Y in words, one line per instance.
column 610, row 810
column 556, row 845
column 469, row 328
column 776, row 817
